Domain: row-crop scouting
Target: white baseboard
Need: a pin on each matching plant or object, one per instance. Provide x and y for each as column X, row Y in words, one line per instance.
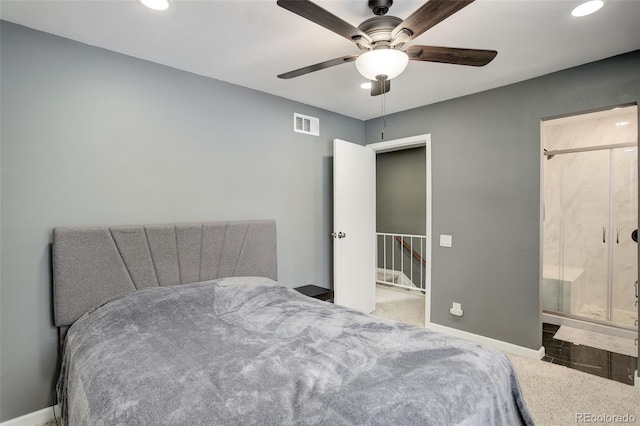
column 33, row 419
column 488, row 341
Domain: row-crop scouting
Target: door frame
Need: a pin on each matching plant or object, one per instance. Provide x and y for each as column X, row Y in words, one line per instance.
column 407, row 143
column 559, row 318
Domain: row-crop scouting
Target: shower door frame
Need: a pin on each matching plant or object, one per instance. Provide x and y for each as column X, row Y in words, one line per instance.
column 560, row 318
column 609, row 322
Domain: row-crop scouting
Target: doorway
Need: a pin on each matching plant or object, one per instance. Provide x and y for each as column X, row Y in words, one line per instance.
column 354, row 216
column 589, row 250
column 403, row 229
column 589, row 259
column 590, row 212
column 400, row 235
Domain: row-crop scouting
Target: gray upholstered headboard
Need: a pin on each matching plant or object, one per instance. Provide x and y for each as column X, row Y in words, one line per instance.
column 94, row 264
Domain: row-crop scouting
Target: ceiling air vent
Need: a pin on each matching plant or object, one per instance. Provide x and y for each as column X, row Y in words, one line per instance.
column 305, row 124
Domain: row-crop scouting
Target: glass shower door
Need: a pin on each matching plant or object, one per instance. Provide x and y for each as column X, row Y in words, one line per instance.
column 576, row 227
column 586, row 232
column 552, row 271
column 591, row 209
column 625, row 250
column 590, row 178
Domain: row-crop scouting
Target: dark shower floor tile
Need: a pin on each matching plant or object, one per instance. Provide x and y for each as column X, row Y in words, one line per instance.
column 609, row 365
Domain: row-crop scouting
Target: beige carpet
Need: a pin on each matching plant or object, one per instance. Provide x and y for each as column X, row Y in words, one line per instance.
column 400, row 305
column 555, row 395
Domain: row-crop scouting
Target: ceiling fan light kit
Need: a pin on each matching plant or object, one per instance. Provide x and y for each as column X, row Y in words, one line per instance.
column 156, row 4
column 387, row 63
column 380, row 39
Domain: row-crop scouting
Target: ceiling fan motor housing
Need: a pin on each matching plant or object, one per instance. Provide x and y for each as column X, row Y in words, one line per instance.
column 379, row 28
column 380, row 7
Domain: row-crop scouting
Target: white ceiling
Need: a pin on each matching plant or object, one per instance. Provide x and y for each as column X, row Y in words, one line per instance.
column 250, row 42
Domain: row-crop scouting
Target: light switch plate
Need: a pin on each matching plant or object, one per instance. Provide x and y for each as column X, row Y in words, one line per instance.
column 445, row 240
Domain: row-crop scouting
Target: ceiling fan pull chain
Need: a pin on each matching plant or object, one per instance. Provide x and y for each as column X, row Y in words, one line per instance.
column 383, row 113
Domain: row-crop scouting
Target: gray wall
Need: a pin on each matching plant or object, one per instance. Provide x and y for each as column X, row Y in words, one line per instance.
column 486, row 190
column 94, row 137
column 401, row 188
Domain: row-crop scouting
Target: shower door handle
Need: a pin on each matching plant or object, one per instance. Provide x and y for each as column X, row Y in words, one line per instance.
column 604, row 232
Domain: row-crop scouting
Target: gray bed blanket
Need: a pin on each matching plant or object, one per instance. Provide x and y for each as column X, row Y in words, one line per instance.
column 247, row 350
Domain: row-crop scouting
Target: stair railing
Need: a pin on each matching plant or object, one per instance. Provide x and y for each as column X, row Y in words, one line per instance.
column 391, row 268
column 408, row 248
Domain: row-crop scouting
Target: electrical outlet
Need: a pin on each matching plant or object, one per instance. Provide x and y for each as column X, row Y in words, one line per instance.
column 456, row 309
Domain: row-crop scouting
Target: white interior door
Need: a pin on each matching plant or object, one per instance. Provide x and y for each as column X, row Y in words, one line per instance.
column 354, row 225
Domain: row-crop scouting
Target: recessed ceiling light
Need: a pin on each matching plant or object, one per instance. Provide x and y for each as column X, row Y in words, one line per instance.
column 587, row 8
column 621, row 123
column 156, row 4
column 366, row 85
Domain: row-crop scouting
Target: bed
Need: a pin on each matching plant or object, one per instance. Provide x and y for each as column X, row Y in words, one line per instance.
column 186, row 324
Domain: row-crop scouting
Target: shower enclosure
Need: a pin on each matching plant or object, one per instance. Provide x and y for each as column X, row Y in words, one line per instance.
column 590, row 213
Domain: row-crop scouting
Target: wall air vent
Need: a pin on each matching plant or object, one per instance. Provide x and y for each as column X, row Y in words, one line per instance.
column 305, row 124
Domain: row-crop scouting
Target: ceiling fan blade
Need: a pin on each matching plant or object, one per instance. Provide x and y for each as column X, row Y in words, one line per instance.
column 318, row 67
column 322, row 17
column 451, row 55
column 428, row 15
column 378, row 87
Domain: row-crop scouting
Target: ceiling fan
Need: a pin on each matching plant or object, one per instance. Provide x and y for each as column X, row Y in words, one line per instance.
column 381, row 38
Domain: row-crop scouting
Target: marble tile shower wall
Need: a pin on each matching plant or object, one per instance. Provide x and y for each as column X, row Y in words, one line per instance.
column 576, row 207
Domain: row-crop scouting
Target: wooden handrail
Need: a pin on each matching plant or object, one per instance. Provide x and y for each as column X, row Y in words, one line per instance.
column 413, row 252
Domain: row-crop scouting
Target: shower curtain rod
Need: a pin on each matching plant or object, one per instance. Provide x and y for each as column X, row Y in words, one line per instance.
column 550, row 154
